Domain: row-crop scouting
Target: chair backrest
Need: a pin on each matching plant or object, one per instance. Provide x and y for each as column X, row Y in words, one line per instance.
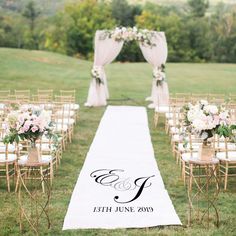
column 199, row 96
column 70, row 93
column 224, row 144
column 193, row 141
column 186, row 96
column 4, row 95
column 22, row 95
column 232, row 97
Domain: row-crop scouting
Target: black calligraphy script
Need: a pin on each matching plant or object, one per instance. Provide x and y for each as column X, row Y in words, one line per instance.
column 108, row 177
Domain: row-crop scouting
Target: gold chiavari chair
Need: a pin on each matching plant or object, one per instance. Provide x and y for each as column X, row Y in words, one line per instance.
column 23, row 96
column 232, row 111
column 73, row 105
column 4, row 95
column 192, row 151
column 226, row 153
column 34, row 171
column 8, row 159
column 186, row 96
column 59, row 117
column 49, row 148
column 160, row 110
column 69, row 113
column 232, row 97
column 45, row 92
column 174, row 114
column 217, row 99
column 199, row 96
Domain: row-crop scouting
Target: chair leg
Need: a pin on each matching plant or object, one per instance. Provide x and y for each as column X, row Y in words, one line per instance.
column 190, row 176
column 226, row 175
column 42, row 178
column 17, row 179
column 51, row 172
column 8, row 178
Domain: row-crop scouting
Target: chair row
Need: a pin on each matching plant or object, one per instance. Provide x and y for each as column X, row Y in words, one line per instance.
column 40, row 95
column 224, row 149
column 64, row 115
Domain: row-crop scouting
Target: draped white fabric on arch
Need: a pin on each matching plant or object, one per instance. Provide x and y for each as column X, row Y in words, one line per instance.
column 105, row 52
column 156, row 56
column 107, row 49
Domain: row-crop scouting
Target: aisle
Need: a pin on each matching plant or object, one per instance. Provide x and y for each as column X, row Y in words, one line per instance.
column 120, row 185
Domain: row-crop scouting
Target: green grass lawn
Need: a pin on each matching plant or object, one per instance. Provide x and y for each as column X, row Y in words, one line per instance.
column 22, row 69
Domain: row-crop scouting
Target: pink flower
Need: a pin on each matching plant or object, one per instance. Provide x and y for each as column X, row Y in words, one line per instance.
column 27, row 125
column 216, row 120
column 34, row 129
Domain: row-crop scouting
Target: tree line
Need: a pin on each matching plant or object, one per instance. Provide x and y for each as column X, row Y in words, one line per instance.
column 193, row 33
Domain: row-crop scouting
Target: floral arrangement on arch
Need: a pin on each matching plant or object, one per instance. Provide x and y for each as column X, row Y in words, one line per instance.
column 206, row 119
column 159, row 74
column 28, row 124
column 128, row 34
column 96, row 73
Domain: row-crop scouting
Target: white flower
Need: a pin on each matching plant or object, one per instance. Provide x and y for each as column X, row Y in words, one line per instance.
column 199, row 124
column 123, row 29
column 135, row 29
column 158, row 74
column 211, row 109
column 224, row 115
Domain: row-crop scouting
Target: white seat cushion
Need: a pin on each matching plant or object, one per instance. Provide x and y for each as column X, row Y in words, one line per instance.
column 195, row 147
column 2, row 105
column 59, row 127
column 175, row 138
column 11, row 147
column 66, row 121
column 10, row 157
column 169, row 115
column 162, row 109
column 222, row 156
column 186, row 156
column 174, row 130
column 65, row 113
column 72, row 106
column 171, row 122
column 222, row 145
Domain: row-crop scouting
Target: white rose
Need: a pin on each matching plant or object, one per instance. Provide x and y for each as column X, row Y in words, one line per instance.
column 211, row 109
column 224, row 115
column 199, row 125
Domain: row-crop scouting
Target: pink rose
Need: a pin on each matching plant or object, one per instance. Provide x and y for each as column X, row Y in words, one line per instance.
column 34, row 129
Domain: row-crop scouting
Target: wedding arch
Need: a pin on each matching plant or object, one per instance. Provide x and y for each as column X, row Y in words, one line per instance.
column 108, row 44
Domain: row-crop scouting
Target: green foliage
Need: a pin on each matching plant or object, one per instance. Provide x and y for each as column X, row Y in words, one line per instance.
column 124, row 13
column 198, row 7
column 227, row 132
column 193, row 35
column 74, row 29
column 31, row 13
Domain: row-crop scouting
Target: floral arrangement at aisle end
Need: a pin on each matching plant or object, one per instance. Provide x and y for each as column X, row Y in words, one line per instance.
column 28, row 124
column 128, row 34
column 159, row 74
column 205, row 120
column 97, row 75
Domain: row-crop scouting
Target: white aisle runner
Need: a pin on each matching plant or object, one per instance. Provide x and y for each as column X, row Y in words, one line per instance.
column 120, row 185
